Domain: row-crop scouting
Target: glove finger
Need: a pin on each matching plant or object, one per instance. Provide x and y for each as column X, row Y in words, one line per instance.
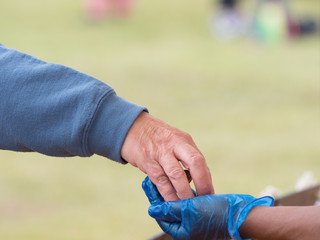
column 173, row 229
column 151, row 191
column 166, row 211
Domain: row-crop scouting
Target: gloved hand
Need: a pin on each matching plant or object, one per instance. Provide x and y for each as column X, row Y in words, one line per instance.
column 217, row 216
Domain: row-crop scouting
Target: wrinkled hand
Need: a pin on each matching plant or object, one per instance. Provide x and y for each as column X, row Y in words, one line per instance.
column 217, row 216
column 157, row 149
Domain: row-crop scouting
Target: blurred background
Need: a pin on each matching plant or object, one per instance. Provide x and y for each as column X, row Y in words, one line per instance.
column 240, row 79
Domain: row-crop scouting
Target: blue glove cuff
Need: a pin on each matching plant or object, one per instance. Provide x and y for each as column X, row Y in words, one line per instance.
column 264, row 201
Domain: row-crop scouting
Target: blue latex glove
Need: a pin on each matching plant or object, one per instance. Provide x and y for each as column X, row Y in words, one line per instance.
column 217, row 216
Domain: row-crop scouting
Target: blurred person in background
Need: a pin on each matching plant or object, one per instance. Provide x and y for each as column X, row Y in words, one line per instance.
column 275, row 21
column 227, row 22
column 98, row 10
column 58, row 111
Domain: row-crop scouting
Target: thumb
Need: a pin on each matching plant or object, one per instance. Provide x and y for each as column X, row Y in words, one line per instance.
column 151, row 191
column 166, row 211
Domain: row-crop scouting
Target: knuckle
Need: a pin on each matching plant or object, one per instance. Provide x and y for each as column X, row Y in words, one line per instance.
column 162, row 180
column 187, row 136
column 176, row 173
column 197, row 160
column 169, row 135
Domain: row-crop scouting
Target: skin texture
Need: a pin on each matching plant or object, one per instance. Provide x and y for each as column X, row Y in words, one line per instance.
column 282, row 223
column 157, row 149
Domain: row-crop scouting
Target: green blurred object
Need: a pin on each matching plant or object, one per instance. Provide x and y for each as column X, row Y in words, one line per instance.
column 275, row 21
column 244, row 105
column 271, row 22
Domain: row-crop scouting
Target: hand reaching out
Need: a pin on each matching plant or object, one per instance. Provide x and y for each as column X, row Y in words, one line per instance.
column 157, row 149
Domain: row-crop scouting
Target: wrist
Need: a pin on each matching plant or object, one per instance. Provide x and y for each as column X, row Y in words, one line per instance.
column 243, row 213
column 133, row 137
column 110, row 124
column 246, row 229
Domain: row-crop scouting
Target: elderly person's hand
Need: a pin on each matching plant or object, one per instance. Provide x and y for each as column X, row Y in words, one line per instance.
column 157, row 149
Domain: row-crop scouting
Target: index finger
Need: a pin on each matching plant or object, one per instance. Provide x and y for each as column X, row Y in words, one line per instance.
column 176, row 176
column 192, row 159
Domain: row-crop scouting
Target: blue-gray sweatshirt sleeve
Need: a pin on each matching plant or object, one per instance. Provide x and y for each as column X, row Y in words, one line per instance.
column 58, row 111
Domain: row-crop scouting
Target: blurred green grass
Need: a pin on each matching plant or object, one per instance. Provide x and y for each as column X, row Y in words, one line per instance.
column 253, row 111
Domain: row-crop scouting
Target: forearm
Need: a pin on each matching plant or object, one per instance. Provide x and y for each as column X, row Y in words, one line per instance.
column 282, row 223
column 56, row 110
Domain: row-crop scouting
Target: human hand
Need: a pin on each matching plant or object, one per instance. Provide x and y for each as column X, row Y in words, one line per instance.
column 217, row 216
column 156, row 148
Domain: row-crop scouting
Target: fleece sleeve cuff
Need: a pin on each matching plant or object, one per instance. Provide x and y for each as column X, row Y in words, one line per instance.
column 110, row 125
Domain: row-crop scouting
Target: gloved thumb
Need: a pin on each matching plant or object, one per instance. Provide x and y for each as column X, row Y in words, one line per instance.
column 166, row 211
column 151, row 191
